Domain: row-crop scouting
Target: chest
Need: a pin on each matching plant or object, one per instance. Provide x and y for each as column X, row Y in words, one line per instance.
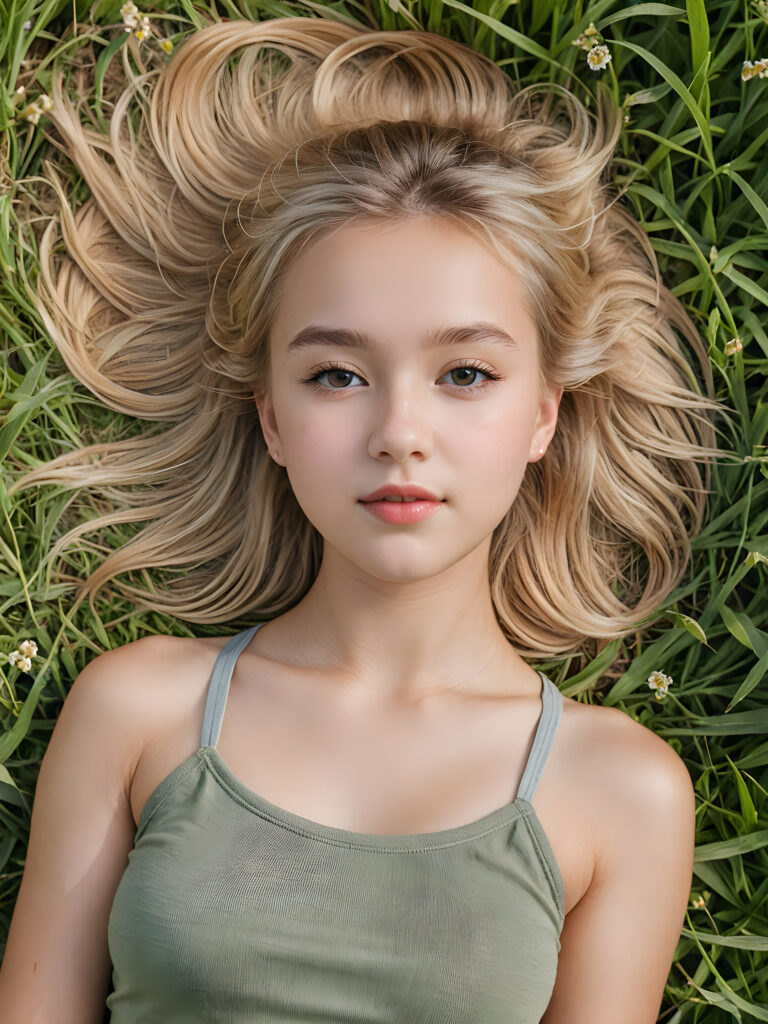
column 223, row 905
column 389, row 773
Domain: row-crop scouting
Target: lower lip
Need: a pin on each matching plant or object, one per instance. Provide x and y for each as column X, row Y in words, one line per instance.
column 402, row 512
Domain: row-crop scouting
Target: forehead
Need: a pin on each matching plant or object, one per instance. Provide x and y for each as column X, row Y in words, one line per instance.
column 400, row 281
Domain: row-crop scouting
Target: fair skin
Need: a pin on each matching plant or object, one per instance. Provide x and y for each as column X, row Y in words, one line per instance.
column 391, row 669
column 392, row 606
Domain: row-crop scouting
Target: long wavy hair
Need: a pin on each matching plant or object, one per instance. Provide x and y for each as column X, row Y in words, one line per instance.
column 252, row 142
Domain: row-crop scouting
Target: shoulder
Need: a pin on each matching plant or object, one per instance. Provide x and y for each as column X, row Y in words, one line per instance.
column 642, row 817
column 164, row 674
column 131, row 669
column 639, row 786
column 146, row 661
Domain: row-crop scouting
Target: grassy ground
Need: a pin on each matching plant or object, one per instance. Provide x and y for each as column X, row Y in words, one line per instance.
column 695, row 165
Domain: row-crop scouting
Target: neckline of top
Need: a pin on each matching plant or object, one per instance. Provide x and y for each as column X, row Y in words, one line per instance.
column 385, row 841
column 391, row 843
column 551, row 700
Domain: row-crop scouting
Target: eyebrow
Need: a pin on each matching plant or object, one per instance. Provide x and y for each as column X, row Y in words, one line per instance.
column 440, row 337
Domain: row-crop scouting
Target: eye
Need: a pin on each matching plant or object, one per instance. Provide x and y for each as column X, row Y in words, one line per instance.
column 329, row 368
column 475, row 368
column 337, row 370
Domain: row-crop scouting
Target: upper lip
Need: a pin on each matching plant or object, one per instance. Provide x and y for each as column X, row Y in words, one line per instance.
column 406, row 491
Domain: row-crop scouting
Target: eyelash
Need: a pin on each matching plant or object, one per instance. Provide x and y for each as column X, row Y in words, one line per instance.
column 328, row 367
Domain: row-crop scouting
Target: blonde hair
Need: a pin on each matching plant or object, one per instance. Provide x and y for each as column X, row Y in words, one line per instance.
column 256, row 139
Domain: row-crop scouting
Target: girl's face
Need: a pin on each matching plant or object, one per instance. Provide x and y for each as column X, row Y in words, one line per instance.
column 394, row 406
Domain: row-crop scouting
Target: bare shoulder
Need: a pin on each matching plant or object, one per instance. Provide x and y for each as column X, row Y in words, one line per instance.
column 633, row 778
column 56, row 964
column 642, row 815
column 149, row 666
column 139, row 689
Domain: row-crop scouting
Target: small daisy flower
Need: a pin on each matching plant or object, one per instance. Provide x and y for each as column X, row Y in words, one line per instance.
column 34, row 111
column 166, row 44
column 130, row 16
column 587, row 39
column 659, row 682
column 598, row 57
column 143, row 29
column 23, row 655
column 754, row 69
column 31, row 113
column 733, row 346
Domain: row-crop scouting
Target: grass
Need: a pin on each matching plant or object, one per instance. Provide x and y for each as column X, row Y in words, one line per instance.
column 694, row 162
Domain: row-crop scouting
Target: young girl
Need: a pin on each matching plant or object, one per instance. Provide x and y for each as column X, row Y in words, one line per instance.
column 423, row 416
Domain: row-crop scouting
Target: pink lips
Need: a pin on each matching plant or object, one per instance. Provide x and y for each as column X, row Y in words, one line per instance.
column 400, row 513
column 401, row 491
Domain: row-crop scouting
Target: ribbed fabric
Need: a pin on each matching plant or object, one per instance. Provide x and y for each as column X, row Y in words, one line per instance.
column 233, row 910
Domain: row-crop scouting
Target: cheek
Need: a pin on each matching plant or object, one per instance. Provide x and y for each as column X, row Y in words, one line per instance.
column 496, row 445
column 318, row 448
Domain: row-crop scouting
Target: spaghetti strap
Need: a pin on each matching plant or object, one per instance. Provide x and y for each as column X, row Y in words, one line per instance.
column 218, row 687
column 551, row 699
column 551, row 710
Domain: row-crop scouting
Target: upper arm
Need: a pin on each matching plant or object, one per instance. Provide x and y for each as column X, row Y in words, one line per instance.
column 56, row 965
column 618, row 942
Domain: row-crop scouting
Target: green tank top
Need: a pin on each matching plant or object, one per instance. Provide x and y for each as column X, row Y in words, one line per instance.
column 232, row 910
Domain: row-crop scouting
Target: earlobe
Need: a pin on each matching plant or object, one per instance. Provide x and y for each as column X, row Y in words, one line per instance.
column 552, row 405
column 266, row 412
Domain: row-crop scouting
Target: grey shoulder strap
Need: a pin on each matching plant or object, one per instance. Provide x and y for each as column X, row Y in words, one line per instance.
column 551, row 710
column 218, row 687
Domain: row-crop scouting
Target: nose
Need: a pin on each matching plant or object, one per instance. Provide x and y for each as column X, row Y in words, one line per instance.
column 402, row 423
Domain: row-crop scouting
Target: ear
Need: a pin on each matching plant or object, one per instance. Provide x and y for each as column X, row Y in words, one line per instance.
column 266, row 411
column 546, row 422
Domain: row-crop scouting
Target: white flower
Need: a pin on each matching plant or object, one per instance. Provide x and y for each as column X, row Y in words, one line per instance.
column 130, row 15
column 598, row 57
column 756, row 69
column 27, row 26
column 659, row 682
column 31, row 113
column 23, row 655
column 587, row 38
column 733, row 346
column 143, row 29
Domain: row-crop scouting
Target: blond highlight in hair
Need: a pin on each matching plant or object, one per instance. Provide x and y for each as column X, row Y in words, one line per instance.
column 257, row 139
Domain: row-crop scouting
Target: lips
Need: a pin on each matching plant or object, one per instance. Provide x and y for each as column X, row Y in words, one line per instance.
column 401, row 491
